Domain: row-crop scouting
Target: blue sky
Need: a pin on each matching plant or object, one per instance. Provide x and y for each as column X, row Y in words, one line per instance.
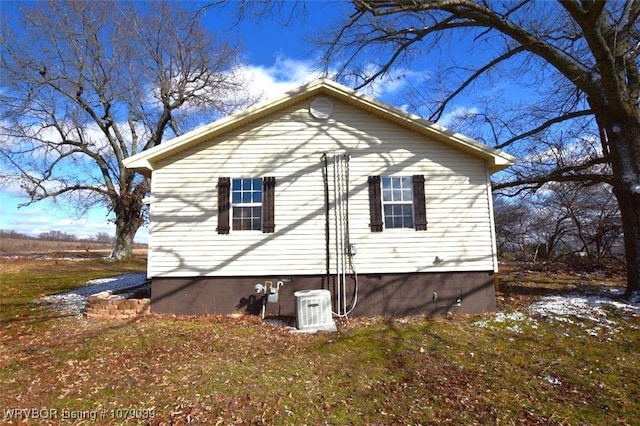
column 276, row 58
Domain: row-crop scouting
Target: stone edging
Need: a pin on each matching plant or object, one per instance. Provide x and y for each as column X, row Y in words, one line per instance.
column 108, row 306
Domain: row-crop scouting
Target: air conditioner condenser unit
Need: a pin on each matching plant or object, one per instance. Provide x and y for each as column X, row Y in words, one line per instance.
column 313, row 311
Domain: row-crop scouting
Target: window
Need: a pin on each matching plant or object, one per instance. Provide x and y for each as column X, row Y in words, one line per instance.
column 246, row 204
column 397, row 202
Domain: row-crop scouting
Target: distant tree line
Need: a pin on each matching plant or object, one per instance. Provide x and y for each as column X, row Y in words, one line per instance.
column 567, row 222
column 100, row 237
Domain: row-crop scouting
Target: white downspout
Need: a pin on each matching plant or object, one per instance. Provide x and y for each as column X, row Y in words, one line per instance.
column 338, row 233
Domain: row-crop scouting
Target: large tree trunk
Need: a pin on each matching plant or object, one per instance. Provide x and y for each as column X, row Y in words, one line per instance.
column 630, row 211
column 123, row 246
column 128, row 220
column 624, row 145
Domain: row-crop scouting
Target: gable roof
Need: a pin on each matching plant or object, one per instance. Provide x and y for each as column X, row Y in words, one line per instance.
column 145, row 161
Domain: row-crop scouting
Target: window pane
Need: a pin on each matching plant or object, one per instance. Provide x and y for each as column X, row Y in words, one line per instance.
column 235, row 197
column 407, row 210
column 386, row 183
column 247, row 218
column 407, row 182
column 408, row 222
column 386, row 195
column 236, row 184
column 257, row 197
column 397, row 195
column 397, row 222
column 257, row 184
column 246, row 197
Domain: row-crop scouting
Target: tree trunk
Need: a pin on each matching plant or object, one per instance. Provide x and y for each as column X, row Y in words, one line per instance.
column 630, row 211
column 123, row 246
column 624, row 145
column 128, row 221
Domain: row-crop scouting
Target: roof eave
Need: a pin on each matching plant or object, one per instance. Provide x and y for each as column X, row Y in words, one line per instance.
column 144, row 161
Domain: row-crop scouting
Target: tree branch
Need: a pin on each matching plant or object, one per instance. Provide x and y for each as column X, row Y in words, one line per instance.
column 481, row 16
column 508, row 54
column 562, row 174
column 544, row 126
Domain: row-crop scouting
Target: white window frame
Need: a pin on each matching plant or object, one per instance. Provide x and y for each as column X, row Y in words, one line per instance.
column 388, row 197
column 242, row 204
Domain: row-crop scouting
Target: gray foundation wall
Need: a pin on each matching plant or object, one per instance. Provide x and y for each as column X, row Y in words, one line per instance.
column 378, row 294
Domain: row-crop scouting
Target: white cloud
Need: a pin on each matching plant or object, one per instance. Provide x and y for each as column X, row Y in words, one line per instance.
column 264, row 83
column 392, row 83
column 455, row 116
column 285, row 74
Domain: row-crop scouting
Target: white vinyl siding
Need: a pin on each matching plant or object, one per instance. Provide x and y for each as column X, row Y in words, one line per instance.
column 290, row 145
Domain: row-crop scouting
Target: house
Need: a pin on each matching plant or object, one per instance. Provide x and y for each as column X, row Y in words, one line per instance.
column 322, row 188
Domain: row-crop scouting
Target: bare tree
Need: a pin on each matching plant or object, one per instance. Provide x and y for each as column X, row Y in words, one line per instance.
column 578, row 60
column 513, row 221
column 566, row 220
column 594, row 216
column 87, row 84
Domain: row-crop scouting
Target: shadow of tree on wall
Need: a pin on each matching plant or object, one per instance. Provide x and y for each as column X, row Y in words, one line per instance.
column 202, row 211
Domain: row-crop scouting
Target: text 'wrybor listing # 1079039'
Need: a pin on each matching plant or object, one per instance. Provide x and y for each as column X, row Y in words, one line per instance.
column 66, row 414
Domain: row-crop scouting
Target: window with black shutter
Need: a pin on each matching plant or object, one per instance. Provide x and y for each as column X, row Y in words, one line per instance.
column 397, row 202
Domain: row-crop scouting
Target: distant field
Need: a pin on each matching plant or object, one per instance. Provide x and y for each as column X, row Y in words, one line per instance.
column 44, row 248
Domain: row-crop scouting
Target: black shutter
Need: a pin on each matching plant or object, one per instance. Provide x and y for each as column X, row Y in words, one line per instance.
column 419, row 204
column 268, row 204
column 224, row 206
column 375, row 204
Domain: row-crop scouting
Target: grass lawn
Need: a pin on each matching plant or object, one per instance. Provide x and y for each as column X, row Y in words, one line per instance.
column 484, row 369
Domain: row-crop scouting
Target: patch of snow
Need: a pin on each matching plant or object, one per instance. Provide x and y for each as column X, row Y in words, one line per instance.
column 73, row 302
column 552, row 380
column 511, row 321
column 590, row 308
column 573, row 308
column 582, row 306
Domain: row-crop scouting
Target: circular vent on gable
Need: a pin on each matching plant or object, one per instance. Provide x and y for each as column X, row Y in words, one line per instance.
column 321, row 108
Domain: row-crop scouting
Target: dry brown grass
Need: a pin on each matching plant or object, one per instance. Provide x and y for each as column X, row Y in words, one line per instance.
column 16, row 247
column 219, row 370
